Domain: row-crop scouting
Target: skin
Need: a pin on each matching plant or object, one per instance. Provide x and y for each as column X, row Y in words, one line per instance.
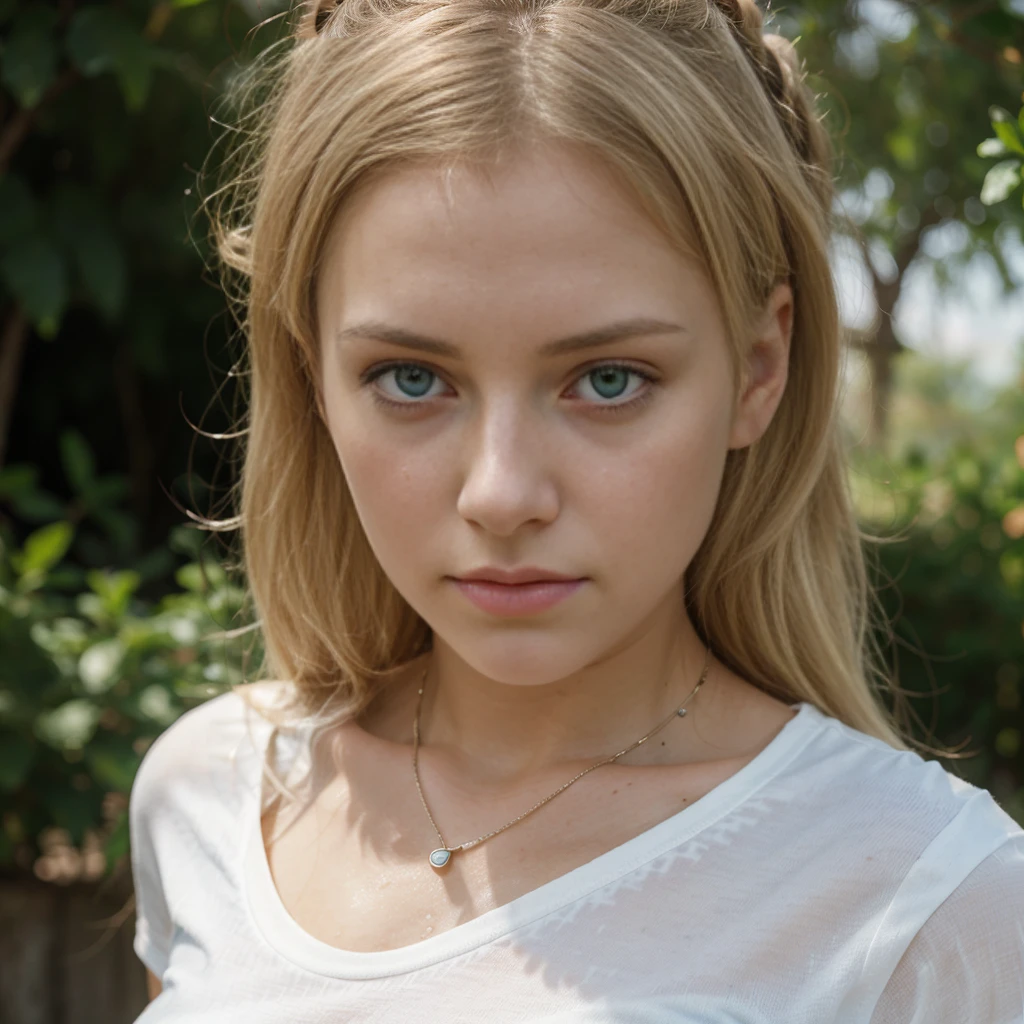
column 510, row 459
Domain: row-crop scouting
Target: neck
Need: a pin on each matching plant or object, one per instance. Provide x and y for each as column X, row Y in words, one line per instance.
column 508, row 729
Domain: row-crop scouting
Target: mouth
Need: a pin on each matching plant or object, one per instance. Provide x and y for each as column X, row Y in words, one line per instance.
column 527, row 598
column 521, row 574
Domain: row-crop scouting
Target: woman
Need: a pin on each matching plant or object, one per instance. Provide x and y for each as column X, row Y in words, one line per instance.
column 569, row 711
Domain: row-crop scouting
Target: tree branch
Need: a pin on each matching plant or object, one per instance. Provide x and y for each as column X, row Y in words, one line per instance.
column 862, row 241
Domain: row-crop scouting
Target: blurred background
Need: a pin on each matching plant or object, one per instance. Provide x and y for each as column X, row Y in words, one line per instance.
column 116, row 352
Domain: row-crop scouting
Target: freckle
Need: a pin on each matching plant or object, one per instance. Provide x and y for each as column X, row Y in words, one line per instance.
column 614, row 791
column 663, row 743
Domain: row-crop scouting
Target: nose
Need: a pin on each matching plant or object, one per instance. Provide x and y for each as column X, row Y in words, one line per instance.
column 509, row 479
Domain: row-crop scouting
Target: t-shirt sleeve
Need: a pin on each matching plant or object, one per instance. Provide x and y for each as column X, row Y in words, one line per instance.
column 154, row 924
column 966, row 963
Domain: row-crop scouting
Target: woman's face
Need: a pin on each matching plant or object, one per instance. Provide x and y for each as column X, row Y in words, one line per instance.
column 602, row 462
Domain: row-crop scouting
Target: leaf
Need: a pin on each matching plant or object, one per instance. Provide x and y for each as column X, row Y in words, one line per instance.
column 903, row 149
column 109, row 489
column 121, row 528
column 100, row 40
column 45, row 547
column 992, row 147
column 186, row 540
column 191, row 578
column 200, row 578
column 17, row 209
column 85, row 227
column 135, row 72
column 115, row 588
column 94, row 36
column 37, row 276
column 17, row 479
column 1000, row 181
column 77, row 458
column 70, row 726
column 155, row 704
column 112, row 764
column 99, row 666
column 66, row 577
column 30, row 56
column 38, row 507
column 1006, row 131
column 102, row 266
column 16, row 753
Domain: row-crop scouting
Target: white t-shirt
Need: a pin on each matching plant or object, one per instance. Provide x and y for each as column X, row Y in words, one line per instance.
column 832, row 879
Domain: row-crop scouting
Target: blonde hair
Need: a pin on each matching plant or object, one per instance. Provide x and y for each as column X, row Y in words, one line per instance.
column 711, row 122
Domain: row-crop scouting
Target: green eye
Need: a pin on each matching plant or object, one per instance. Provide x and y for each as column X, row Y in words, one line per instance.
column 608, row 381
column 416, row 377
column 413, row 381
column 612, row 378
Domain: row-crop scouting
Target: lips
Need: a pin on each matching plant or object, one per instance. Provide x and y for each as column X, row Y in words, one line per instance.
column 513, row 577
column 517, row 599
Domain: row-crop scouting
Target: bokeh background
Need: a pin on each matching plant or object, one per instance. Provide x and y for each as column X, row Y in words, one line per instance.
column 117, row 354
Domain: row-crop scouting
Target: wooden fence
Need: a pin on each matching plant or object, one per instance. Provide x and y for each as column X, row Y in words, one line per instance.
column 66, row 952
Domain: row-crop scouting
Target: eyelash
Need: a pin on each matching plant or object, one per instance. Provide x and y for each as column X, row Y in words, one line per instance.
column 641, row 399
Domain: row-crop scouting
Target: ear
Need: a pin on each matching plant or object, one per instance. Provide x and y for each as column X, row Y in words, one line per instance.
column 766, row 371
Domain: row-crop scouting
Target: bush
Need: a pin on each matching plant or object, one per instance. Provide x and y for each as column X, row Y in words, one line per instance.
column 953, row 588
column 92, row 672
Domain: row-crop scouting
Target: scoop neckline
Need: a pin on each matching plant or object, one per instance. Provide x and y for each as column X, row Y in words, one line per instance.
column 284, row 934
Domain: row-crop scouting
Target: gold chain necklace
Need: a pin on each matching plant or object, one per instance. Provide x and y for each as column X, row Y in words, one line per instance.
column 439, row 857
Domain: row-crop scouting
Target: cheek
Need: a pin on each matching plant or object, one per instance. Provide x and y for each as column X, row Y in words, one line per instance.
column 656, row 499
column 394, row 488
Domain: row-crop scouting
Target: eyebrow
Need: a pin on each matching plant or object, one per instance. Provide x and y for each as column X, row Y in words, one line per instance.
column 620, row 330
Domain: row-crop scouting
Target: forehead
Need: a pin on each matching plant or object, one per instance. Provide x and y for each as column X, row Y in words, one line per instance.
column 549, row 232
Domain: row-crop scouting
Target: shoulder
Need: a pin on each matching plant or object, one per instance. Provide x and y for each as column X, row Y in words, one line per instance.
column 893, row 822
column 923, row 871
column 937, row 866
column 910, row 799
column 198, row 747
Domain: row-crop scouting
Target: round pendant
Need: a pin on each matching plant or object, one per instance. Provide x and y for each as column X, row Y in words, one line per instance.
column 681, row 712
column 440, row 857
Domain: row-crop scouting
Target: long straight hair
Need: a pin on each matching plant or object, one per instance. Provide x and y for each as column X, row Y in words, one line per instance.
column 711, row 123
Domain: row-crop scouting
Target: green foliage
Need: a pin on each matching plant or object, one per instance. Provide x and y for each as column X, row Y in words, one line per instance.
column 1002, row 179
column 906, row 87
column 953, row 588
column 105, row 136
column 110, row 534
column 30, row 54
column 101, row 39
column 60, row 241
column 91, row 672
